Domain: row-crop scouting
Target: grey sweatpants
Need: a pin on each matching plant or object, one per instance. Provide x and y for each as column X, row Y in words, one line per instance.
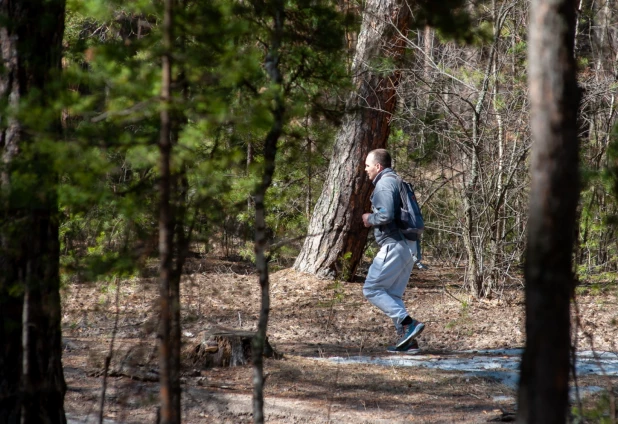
column 388, row 277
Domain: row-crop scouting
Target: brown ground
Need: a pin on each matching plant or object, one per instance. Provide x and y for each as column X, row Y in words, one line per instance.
column 310, row 318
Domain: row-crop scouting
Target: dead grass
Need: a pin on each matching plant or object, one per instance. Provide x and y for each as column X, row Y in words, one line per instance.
column 309, row 318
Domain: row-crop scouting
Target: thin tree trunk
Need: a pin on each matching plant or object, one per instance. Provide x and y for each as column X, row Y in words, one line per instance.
column 110, row 353
column 32, row 385
column 497, row 221
column 250, row 154
column 183, row 239
column 475, row 263
column 498, row 215
column 554, row 97
column 579, row 12
column 168, row 367
column 271, row 64
column 308, row 195
column 428, row 52
column 336, row 224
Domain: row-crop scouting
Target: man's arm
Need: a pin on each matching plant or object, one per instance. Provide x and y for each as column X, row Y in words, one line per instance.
column 383, row 204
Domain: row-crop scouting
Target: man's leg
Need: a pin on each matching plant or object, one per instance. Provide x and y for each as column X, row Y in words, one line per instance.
column 387, row 279
column 409, row 328
column 398, row 288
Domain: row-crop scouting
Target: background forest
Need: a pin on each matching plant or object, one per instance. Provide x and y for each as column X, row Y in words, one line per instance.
column 171, row 131
column 460, row 134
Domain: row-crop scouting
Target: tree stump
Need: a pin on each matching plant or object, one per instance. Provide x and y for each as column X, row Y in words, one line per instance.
column 224, row 348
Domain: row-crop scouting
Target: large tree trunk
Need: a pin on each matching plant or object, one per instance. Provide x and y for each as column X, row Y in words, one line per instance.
column 32, row 384
column 336, row 225
column 554, row 97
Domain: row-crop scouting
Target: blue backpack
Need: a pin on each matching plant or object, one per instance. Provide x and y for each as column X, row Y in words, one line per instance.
column 410, row 220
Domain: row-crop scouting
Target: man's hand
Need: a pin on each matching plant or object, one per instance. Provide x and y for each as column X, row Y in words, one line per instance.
column 366, row 220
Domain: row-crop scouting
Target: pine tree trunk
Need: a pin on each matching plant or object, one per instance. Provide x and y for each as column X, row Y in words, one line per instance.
column 271, row 64
column 32, row 385
column 554, row 97
column 169, row 347
column 336, row 226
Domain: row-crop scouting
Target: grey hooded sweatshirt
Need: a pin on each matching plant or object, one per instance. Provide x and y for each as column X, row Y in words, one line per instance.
column 385, row 203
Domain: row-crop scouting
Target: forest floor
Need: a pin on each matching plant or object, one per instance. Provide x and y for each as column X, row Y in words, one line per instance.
column 312, row 322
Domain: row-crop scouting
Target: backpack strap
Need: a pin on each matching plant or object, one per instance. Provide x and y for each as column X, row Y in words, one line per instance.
column 397, row 211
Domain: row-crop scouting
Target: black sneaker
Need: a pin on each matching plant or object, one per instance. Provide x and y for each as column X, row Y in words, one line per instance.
column 410, row 332
column 410, row 348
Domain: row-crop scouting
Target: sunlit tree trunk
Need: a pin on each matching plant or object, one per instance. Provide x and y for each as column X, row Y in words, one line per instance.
column 554, row 97
column 498, row 215
column 336, row 224
column 32, row 385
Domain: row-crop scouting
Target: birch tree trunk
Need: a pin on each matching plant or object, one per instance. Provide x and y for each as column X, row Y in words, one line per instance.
column 32, row 385
column 554, row 97
column 336, row 225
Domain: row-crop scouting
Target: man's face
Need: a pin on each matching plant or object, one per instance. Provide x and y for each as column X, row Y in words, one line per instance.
column 372, row 168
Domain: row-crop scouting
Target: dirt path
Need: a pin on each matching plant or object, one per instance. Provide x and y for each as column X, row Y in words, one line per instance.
column 311, row 319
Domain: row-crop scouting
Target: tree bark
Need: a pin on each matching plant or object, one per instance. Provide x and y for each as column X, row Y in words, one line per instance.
column 225, row 348
column 497, row 225
column 554, row 97
column 336, row 224
column 474, row 269
column 32, row 385
column 271, row 65
column 169, row 354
